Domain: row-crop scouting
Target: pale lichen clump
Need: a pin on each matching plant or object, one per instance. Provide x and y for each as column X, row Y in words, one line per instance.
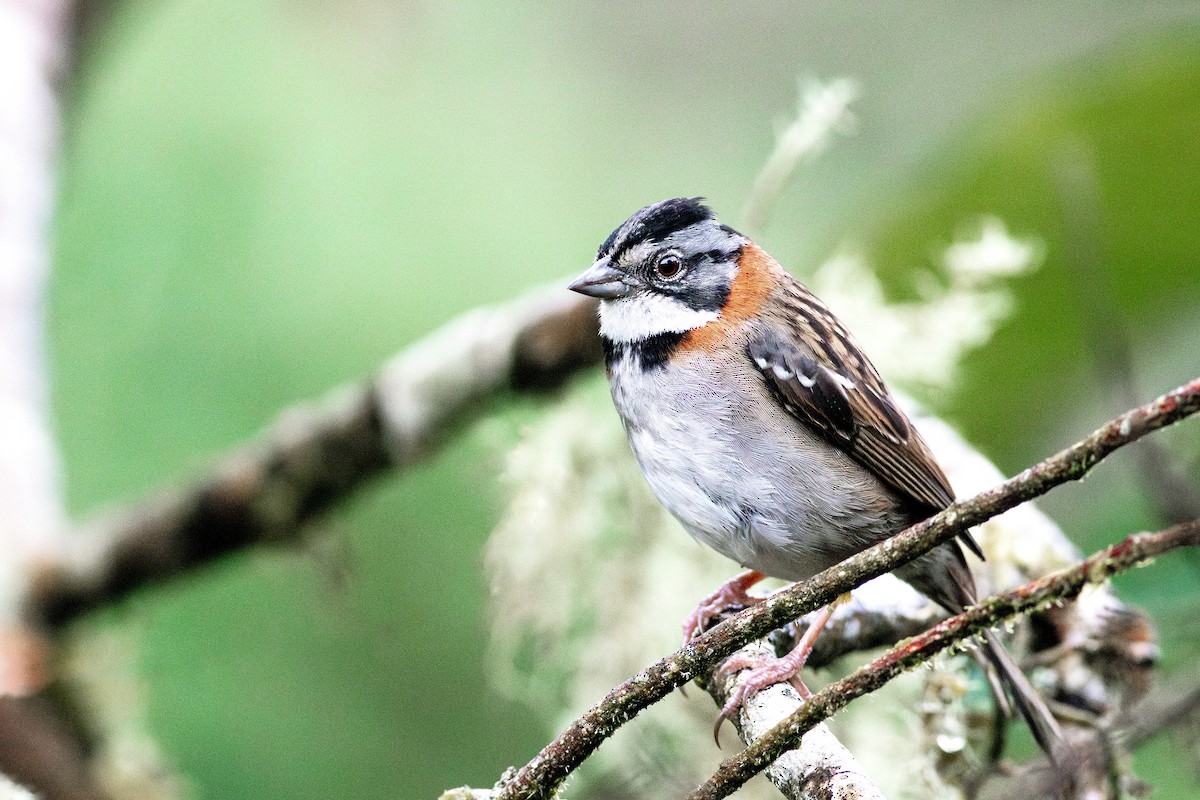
column 823, row 110
column 922, row 343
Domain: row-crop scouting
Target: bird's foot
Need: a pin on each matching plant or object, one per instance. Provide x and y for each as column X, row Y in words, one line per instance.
column 767, row 670
column 732, row 594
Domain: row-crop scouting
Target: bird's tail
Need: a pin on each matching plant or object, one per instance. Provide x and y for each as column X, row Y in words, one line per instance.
column 1026, row 698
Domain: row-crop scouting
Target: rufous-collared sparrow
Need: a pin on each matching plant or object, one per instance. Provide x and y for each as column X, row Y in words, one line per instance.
column 759, row 423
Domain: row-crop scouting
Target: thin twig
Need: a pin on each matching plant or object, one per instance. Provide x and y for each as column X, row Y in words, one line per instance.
column 542, row 776
column 824, row 109
column 1166, row 708
column 1064, row 585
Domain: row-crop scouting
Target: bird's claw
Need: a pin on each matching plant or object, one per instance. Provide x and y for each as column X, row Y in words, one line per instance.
column 764, row 671
column 731, row 594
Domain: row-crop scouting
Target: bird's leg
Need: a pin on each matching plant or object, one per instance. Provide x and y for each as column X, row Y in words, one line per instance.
column 731, row 594
column 767, row 670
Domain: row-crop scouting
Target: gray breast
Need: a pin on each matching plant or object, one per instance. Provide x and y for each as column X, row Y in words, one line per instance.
column 741, row 474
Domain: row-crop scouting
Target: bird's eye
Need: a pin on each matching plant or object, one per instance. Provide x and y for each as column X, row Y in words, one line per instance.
column 668, row 266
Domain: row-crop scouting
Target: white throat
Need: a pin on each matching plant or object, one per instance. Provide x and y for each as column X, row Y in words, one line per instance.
column 640, row 316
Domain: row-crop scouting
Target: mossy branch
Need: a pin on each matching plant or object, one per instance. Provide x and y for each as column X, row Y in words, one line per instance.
column 1134, row 551
column 318, row 454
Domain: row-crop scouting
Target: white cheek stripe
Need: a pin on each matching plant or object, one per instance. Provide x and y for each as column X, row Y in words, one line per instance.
column 632, row 319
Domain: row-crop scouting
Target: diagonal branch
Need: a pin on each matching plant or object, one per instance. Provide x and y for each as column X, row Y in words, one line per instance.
column 315, row 456
column 541, row 776
column 1065, row 585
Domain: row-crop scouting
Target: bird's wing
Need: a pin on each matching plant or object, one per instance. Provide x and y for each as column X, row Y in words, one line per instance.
column 828, row 384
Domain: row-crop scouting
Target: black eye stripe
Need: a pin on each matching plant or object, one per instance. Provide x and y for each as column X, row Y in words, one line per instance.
column 696, row 259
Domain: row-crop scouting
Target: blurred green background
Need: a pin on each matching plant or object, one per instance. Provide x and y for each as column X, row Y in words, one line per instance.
column 263, row 199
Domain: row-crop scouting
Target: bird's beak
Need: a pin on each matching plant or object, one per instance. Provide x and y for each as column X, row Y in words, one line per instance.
column 603, row 280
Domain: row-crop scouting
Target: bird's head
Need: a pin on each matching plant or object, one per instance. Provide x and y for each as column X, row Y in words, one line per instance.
column 667, row 269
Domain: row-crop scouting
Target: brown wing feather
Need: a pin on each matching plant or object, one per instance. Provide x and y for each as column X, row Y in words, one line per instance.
column 829, row 385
